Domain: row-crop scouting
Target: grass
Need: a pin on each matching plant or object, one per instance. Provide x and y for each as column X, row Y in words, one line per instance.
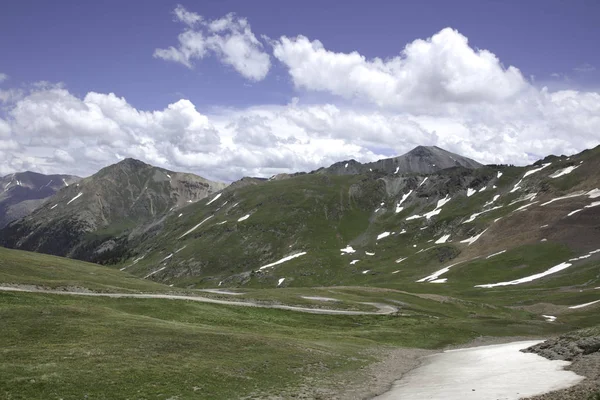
column 63, row 346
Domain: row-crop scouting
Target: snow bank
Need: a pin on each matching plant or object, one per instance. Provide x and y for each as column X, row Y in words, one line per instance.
column 195, row 227
column 443, row 239
column 533, row 171
column 489, row 203
column 75, row 198
column 436, row 211
column 473, row 239
column 584, row 305
column 383, row 235
column 530, row 278
column 284, row 259
column 214, row 198
column 436, row 274
column 495, row 254
column 404, row 197
column 347, row 250
column 473, row 216
column 483, row 373
column 564, row 171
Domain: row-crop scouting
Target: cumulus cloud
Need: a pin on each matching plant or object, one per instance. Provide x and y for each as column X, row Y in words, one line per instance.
column 230, row 39
column 438, row 91
column 440, row 69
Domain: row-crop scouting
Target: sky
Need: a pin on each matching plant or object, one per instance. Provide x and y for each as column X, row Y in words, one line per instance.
column 227, row 89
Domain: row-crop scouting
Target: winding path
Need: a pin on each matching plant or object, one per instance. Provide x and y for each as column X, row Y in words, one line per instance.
column 382, row 309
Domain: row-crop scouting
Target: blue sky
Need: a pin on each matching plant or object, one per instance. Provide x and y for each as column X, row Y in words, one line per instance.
column 108, row 47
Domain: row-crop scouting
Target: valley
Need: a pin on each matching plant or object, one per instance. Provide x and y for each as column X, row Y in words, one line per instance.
column 332, row 284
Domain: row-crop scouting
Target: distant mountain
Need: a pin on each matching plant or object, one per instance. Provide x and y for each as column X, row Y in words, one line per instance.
column 88, row 219
column 384, row 228
column 23, row 192
column 420, row 160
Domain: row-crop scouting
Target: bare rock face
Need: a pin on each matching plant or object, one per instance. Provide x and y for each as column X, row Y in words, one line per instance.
column 23, row 192
column 420, row 160
column 80, row 218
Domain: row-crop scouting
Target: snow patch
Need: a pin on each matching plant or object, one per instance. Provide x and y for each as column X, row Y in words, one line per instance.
column 473, row 239
column 424, row 180
column 443, row 239
column 436, row 275
column 284, row 259
column 499, row 174
column 533, row 171
column 525, row 206
column 369, row 254
column 65, row 182
column 483, row 373
column 482, row 189
column 383, row 235
column 553, row 270
column 492, row 201
column 398, row 261
column 154, row 272
column 397, row 169
column 473, row 216
column 347, row 250
column 564, row 171
column 404, row 197
column 471, row 192
column 354, row 262
column 214, row 198
column 516, row 187
column 195, row 227
column 75, row 198
column 443, row 280
column 584, row 305
column 495, row 254
column 593, row 204
column 53, row 207
column 280, row 281
column 245, row 217
column 366, row 271
column 549, row 318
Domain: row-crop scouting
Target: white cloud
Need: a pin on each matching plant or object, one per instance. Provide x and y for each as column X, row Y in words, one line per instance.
column 439, row 91
column 3, row 77
column 441, row 69
column 229, row 38
column 185, row 16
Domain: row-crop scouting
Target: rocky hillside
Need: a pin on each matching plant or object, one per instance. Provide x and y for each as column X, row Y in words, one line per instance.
column 522, row 234
column 23, row 192
column 92, row 218
column 420, row 160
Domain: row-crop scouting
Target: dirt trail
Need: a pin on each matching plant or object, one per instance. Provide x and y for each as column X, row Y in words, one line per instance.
column 382, row 309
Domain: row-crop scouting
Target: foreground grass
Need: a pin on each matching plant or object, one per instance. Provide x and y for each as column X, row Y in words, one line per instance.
column 70, row 347
column 55, row 346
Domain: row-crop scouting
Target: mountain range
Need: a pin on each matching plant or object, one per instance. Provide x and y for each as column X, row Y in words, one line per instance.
column 23, row 192
column 350, row 223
